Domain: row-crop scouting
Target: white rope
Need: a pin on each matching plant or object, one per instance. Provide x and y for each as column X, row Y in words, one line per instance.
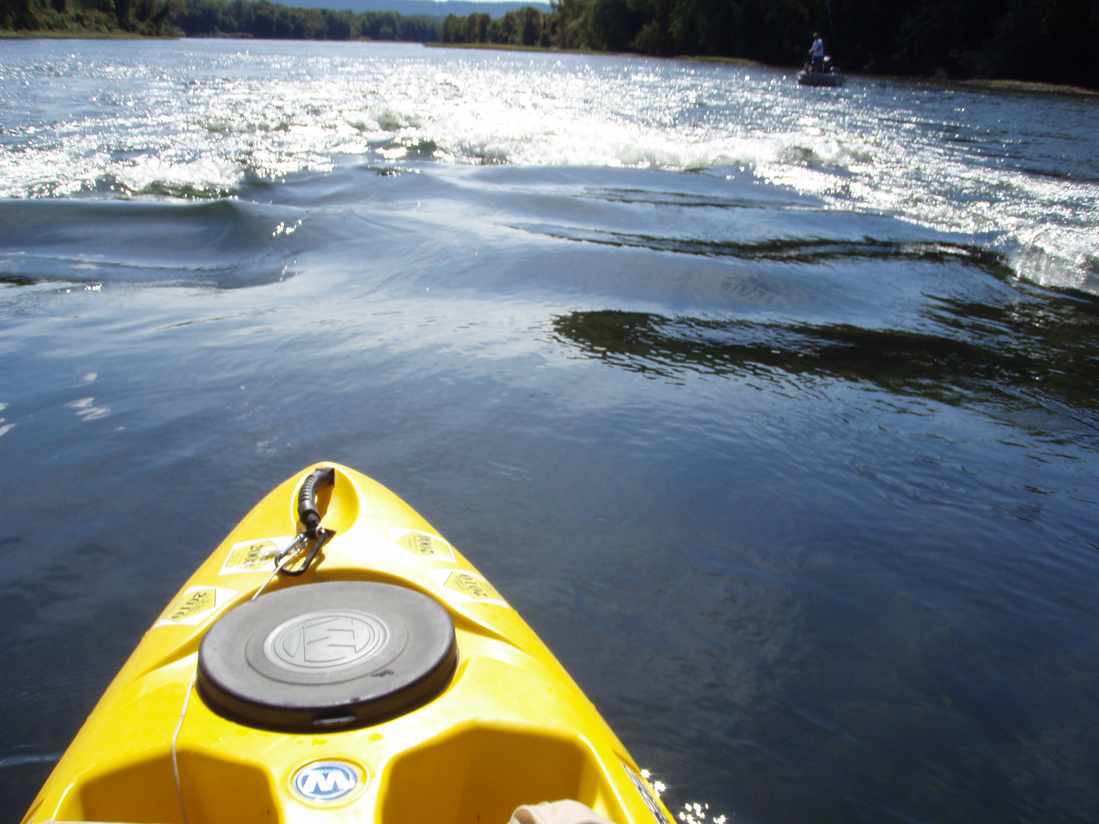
column 183, row 712
column 175, row 741
column 270, row 578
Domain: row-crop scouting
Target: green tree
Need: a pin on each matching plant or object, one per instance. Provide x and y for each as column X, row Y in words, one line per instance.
column 476, row 28
column 612, row 24
column 529, row 26
column 453, row 29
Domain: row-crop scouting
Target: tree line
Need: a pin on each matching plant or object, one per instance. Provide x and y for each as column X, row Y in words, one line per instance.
column 1041, row 40
column 206, row 18
column 268, row 20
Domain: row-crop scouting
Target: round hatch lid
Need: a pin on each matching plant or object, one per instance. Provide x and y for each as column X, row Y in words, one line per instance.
column 327, row 656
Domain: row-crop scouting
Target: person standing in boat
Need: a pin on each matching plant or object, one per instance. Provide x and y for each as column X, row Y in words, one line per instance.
column 816, row 53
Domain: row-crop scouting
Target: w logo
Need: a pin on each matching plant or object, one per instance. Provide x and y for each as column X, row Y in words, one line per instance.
column 326, row 780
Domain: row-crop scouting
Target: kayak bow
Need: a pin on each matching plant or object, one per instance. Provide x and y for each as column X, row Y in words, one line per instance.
column 335, row 660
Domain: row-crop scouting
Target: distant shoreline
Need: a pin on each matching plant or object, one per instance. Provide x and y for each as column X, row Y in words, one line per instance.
column 1027, row 86
column 985, row 84
column 732, row 61
column 514, row 47
column 973, row 83
column 739, row 61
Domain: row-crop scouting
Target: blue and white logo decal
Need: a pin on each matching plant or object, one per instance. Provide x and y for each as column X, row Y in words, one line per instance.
column 326, row 780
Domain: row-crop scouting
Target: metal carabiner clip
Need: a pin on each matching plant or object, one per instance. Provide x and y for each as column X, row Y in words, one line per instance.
column 283, row 559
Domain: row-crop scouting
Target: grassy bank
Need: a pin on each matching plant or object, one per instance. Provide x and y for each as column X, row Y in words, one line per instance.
column 1028, row 86
column 510, row 47
column 732, row 61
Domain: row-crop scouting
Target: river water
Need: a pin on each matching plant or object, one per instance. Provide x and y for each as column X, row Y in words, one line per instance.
column 774, row 410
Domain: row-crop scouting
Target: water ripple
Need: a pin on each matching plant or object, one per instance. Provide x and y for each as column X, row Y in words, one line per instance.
column 1012, row 371
column 211, row 119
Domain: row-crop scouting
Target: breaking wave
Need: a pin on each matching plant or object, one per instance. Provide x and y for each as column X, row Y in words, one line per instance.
column 219, row 243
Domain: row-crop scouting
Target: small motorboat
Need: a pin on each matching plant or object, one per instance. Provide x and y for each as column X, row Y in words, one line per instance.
column 336, row 659
column 823, row 75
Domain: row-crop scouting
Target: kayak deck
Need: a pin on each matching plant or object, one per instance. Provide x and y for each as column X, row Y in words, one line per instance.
column 509, row 727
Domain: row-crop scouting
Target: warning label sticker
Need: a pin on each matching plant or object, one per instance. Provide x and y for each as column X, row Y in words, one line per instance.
column 254, row 556
column 423, row 544
column 192, row 606
column 473, row 586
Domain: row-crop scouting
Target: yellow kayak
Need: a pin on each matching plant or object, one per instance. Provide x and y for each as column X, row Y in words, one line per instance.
column 337, row 660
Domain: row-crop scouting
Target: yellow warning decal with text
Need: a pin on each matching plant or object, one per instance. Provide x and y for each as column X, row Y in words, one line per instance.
column 253, row 556
column 193, row 605
column 473, row 586
column 423, row 544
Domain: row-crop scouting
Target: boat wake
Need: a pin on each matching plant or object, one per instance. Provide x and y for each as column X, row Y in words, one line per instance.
column 229, row 120
column 220, row 243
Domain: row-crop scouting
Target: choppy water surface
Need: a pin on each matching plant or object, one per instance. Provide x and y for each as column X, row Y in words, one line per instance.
column 774, row 410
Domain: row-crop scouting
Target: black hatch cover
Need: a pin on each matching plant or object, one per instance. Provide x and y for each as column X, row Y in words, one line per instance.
column 327, row 656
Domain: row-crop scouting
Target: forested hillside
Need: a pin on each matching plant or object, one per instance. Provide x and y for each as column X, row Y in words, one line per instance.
column 254, row 18
column 1054, row 41
column 1041, row 40
column 424, row 8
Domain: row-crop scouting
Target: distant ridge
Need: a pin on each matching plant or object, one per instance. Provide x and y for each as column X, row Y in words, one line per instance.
column 410, row 8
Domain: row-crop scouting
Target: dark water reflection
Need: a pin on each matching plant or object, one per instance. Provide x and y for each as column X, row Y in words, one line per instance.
column 797, row 250
column 1025, row 354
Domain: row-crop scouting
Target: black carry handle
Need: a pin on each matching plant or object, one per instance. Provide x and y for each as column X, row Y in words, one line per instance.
column 307, row 498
